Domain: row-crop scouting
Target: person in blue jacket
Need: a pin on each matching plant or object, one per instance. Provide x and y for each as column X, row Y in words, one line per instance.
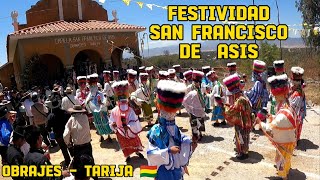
column 5, row 132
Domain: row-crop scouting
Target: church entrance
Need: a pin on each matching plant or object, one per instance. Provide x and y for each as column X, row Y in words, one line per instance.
column 87, row 62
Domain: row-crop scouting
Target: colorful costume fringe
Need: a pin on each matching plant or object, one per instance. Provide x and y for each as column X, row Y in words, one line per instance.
column 239, row 115
column 101, row 123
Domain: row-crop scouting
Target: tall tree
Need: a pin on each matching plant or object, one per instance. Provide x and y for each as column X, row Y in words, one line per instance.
column 310, row 10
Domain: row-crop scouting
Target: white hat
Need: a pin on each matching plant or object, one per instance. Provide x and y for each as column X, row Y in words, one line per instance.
column 68, row 90
column 94, row 75
column 205, row 67
column 142, row 67
column 132, row 72
column 143, row 74
column 209, row 73
column 278, row 62
column 106, row 72
column 231, row 64
column 81, row 77
column 149, row 68
column 163, row 73
column 187, row 73
column 297, row 70
column 115, row 71
column 175, row 66
column 171, row 71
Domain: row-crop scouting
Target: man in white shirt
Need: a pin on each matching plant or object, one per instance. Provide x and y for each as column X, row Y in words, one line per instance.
column 27, row 103
column 69, row 100
column 107, row 90
column 195, row 105
column 77, row 131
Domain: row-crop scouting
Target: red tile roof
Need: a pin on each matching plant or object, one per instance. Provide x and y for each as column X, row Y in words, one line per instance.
column 64, row 26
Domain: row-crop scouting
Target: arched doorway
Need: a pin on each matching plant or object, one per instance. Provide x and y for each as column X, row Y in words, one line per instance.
column 87, row 62
column 45, row 70
column 119, row 54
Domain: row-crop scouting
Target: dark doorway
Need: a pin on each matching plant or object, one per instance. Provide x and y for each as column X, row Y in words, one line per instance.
column 47, row 70
column 87, row 62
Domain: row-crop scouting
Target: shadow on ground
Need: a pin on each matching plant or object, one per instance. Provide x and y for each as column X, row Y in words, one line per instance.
column 183, row 130
column 110, row 145
column 294, row 174
column 184, row 114
column 254, row 157
column 305, row 144
column 206, row 139
column 136, row 162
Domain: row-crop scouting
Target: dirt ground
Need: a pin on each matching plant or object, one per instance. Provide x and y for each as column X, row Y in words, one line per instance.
column 214, row 156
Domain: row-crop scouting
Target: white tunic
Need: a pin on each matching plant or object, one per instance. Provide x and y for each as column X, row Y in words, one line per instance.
column 108, row 89
column 193, row 105
column 66, row 103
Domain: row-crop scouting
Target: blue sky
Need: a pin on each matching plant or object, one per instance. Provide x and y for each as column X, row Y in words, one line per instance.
column 133, row 14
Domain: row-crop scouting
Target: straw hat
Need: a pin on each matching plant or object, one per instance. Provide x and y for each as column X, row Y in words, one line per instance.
column 68, row 90
column 4, row 102
column 76, row 109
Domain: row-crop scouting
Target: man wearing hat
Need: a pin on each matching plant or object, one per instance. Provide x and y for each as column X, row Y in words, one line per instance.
column 205, row 80
column 217, row 99
column 5, row 132
column 152, row 83
column 172, row 75
column 297, row 98
column 124, row 122
column 239, row 116
column 14, row 153
column 27, row 103
column 232, row 68
column 163, row 75
column 77, row 131
column 179, row 74
column 107, row 90
column 6, row 103
column 142, row 69
column 187, row 77
column 279, row 67
column 194, row 104
column 256, row 94
column 115, row 75
column 69, row 100
column 57, row 121
column 133, row 86
column 169, row 149
column 97, row 104
column 82, row 92
column 39, row 111
column 142, row 97
column 282, row 126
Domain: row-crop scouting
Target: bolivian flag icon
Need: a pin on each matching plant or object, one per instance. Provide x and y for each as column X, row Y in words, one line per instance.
column 148, row 171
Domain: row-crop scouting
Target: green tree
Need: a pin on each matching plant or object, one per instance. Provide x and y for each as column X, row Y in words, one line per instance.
column 310, row 10
column 268, row 52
